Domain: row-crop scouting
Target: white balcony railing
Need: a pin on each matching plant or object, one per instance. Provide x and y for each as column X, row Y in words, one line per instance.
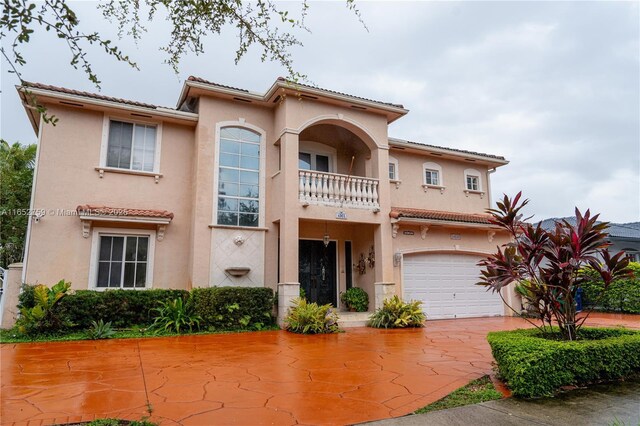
column 338, row 190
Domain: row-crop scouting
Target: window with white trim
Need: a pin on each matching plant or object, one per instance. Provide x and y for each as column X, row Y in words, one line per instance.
column 472, row 180
column 123, row 261
column 632, row 254
column 393, row 169
column 431, row 177
column 239, row 177
column 131, row 146
column 432, row 174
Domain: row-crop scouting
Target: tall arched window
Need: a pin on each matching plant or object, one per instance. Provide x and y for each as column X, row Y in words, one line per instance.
column 239, row 177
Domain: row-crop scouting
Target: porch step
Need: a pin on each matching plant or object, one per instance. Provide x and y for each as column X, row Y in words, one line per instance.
column 353, row 319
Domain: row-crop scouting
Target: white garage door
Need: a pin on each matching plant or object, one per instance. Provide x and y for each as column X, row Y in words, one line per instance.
column 445, row 283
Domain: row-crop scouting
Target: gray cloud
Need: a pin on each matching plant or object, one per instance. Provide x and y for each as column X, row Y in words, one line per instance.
column 552, row 86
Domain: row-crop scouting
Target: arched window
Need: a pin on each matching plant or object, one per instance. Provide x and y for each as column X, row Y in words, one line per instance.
column 238, row 177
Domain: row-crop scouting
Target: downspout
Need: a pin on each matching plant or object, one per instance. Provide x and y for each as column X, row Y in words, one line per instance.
column 33, row 196
column 489, row 173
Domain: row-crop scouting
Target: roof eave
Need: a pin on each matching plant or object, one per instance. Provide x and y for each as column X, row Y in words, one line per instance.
column 494, row 162
column 448, row 223
column 101, row 103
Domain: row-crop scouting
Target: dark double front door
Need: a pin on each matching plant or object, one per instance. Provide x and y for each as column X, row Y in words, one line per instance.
column 318, row 271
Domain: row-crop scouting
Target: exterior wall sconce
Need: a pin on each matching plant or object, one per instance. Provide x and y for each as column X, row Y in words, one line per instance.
column 397, row 258
column 371, row 260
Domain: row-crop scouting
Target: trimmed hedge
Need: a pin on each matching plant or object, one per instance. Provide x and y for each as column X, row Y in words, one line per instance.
column 535, row 366
column 228, row 308
column 622, row 295
column 232, row 308
column 123, row 308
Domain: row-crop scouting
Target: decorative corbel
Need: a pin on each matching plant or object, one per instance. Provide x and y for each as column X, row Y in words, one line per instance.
column 86, row 227
column 160, row 234
column 490, row 235
column 423, row 231
column 394, row 229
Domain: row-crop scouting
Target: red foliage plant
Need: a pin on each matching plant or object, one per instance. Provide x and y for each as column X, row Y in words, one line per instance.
column 546, row 265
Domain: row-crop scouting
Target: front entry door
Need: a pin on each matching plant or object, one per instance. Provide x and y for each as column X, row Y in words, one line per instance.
column 318, row 271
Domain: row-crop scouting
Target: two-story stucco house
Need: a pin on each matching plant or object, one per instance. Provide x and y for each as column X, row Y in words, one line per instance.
column 298, row 186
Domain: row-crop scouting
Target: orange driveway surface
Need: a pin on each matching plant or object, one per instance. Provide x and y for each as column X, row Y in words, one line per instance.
column 257, row 378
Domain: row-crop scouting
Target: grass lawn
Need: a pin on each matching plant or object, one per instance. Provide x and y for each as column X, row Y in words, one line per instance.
column 12, row 336
column 479, row 390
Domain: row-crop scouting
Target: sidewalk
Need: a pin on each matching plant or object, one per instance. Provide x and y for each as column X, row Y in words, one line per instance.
column 612, row 404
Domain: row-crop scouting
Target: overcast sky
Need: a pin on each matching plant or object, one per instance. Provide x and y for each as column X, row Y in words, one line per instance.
column 552, row 86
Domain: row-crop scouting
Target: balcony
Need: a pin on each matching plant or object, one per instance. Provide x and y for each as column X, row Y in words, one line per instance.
column 332, row 189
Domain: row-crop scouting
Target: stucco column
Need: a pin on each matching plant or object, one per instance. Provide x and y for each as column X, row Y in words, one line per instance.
column 383, row 291
column 289, row 227
column 287, row 292
column 10, row 293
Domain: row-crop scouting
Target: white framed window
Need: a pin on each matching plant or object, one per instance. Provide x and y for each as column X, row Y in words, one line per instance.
column 122, row 259
column 394, row 170
column 472, row 180
column 316, row 156
column 131, row 145
column 431, row 177
column 239, row 177
column 432, row 174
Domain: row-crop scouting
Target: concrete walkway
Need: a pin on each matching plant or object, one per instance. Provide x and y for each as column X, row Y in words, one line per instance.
column 272, row 377
column 598, row 405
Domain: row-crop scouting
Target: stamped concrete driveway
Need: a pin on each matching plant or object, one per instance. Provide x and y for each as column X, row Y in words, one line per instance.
column 251, row 378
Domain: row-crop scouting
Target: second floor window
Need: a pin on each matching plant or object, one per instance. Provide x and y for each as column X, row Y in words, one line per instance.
column 392, row 171
column 131, row 146
column 473, row 183
column 431, row 177
column 239, row 177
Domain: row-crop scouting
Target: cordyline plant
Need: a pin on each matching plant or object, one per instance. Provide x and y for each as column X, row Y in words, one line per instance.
column 546, row 264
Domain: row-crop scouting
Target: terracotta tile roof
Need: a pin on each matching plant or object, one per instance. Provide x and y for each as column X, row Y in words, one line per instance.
column 122, row 212
column 340, row 93
column 462, row 151
column 409, row 213
column 90, row 95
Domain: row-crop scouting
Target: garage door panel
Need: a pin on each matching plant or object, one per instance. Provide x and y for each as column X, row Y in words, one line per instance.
column 445, row 283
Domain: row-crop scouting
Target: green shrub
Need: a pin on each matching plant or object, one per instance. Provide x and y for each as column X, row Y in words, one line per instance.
column 122, row 308
column 232, row 308
column 175, row 315
column 622, row 295
column 42, row 317
column 534, row 366
column 398, row 314
column 100, row 330
column 310, row 318
column 355, row 299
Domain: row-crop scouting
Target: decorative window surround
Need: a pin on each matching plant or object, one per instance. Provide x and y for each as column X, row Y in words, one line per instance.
column 103, row 170
column 473, row 173
column 105, row 147
column 438, row 187
column 395, row 175
column 89, row 218
column 435, row 169
column 116, row 232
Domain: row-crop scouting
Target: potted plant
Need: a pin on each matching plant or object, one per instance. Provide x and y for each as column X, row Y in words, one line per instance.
column 355, row 299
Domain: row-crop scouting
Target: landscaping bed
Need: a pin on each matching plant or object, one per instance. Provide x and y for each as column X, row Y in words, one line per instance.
column 535, row 365
column 479, row 390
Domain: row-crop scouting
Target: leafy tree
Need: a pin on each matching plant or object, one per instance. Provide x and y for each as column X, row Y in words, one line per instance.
column 16, row 173
column 547, row 265
column 262, row 23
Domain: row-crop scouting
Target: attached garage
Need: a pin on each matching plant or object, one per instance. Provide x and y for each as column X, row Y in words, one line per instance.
column 445, row 283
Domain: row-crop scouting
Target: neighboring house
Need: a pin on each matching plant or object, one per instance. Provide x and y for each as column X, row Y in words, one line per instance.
column 622, row 236
column 299, row 186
